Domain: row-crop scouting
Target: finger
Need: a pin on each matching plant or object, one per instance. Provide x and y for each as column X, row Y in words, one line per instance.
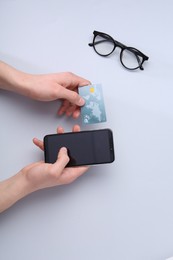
column 73, row 80
column 61, row 162
column 70, row 110
column 38, row 143
column 76, row 113
column 78, row 81
column 63, row 108
column 76, row 128
column 72, row 96
column 72, row 173
column 60, row 130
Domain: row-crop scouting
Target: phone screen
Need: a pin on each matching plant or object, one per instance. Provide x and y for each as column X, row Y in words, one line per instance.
column 84, row 148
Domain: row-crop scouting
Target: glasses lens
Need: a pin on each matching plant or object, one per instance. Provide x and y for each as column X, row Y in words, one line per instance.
column 103, row 45
column 130, row 59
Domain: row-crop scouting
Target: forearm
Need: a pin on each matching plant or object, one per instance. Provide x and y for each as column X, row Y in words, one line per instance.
column 12, row 190
column 12, row 79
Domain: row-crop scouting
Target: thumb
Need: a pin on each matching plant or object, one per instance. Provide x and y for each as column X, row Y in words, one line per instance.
column 62, row 159
column 73, row 97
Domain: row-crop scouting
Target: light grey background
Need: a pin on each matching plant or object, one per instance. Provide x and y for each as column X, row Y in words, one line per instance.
column 121, row 211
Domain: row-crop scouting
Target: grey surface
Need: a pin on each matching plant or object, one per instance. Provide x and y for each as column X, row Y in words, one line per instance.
column 120, row 211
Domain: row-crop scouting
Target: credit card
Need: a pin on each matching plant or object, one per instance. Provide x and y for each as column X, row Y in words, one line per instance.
column 94, row 109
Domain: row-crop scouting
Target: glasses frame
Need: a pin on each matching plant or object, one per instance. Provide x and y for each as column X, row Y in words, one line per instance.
column 123, row 47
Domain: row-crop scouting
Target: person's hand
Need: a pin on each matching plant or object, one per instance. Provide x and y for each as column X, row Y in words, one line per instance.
column 45, row 87
column 42, row 175
column 62, row 86
column 39, row 175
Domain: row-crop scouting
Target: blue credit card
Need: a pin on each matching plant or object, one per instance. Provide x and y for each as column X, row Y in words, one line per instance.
column 94, row 109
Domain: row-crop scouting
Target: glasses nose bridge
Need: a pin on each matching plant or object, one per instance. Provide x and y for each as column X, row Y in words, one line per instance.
column 117, row 45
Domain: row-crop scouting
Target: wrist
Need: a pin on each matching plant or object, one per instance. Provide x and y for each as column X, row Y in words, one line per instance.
column 13, row 189
column 13, row 80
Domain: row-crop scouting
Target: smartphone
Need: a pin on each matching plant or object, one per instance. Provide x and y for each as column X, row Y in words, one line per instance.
column 84, row 148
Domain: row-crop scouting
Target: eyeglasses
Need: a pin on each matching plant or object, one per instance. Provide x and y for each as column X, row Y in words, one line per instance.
column 131, row 58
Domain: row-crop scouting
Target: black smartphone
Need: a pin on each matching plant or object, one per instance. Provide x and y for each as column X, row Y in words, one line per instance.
column 84, row 148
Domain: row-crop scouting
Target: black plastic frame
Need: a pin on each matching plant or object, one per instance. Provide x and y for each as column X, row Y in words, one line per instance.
column 123, row 47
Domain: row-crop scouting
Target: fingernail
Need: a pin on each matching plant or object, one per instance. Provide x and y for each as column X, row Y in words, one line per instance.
column 81, row 102
column 64, row 149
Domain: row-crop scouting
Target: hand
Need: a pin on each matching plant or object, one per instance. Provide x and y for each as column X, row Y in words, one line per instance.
column 46, row 87
column 58, row 86
column 39, row 175
column 42, row 175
